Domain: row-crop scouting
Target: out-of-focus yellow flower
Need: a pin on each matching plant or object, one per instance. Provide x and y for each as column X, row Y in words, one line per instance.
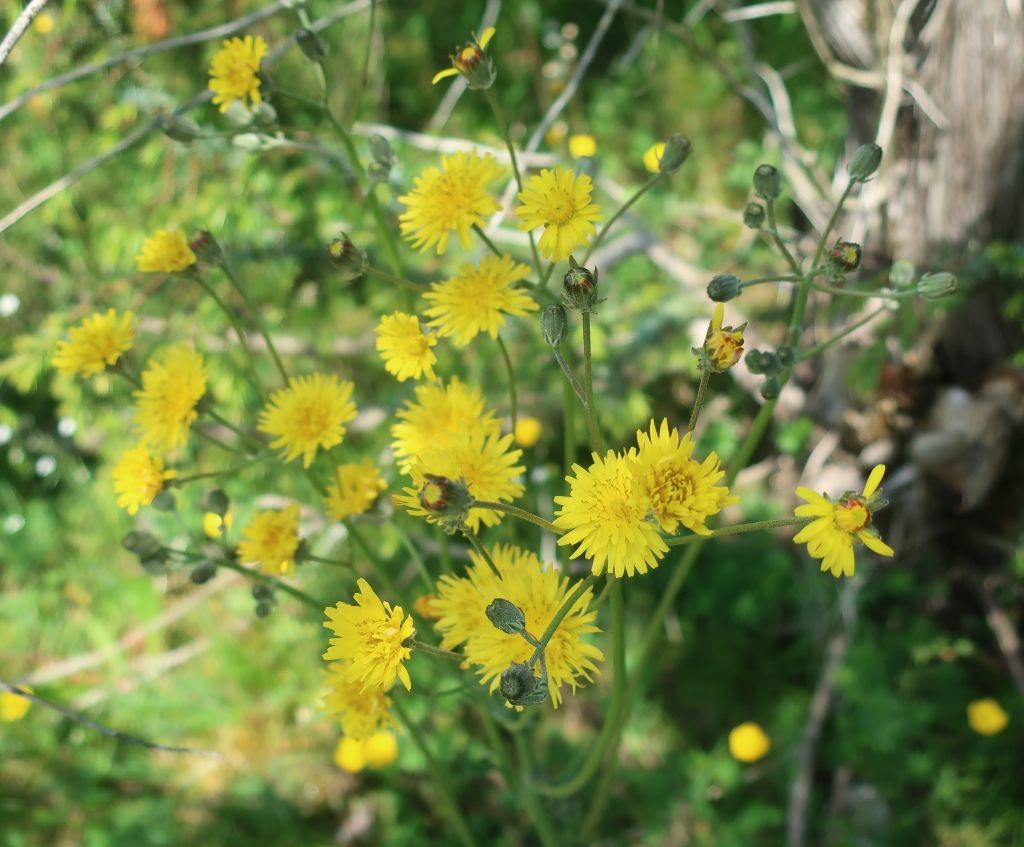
column 582, row 145
column 380, row 749
column 271, row 540
column 96, row 343
column 425, row 607
column 527, row 431
column 361, row 711
column 214, row 526
column 354, row 489
column 138, row 477
column 407, row 351
column 748, row 742
column 309, row 414
column 559, row 201
column 44, row 23
column 986, row 716
column 13, row 707
column 165, row 251
column 652, row 157
column 234, row 72
column 165, row 406
column 350, row 754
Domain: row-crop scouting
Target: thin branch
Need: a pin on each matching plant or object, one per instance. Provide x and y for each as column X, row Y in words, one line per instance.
column 1005, row 632
column 21, row 24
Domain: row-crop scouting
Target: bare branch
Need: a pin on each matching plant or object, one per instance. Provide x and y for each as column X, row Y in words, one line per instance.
column 21, row 23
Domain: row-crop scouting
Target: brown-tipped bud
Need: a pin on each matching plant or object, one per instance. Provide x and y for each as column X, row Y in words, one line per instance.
column 767, row 182
column 553, row 322
column 753, row 215
column 206, row 247
column 347, row 259
column 677, row 151
column 864, row 162
column 506, row 616
column 445, row 498
column 475, row 65
column 845, row 255
column 579, row 287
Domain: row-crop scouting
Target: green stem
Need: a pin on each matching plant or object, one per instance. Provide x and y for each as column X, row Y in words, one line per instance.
column 379, row 568
column 596, row 441
column 736, row 529
column 364, row 71
column 257, row 319
column 640, row 192
column 233, row 320
column 547, row 274
column 214, row 440
column 438, row 777
column 326, row 561
column 443, row 552
column 563, row 610
column 702, row 390
column 408, row 283
column 867, row 295
column 570, row 376
column 240, row 433
column 569, row 428
column 490, row 244
column 414, row 554
column 184, row 480
column 763, row 279
column 773, row 231
column 832, row 222
column 541, row 822
column 519, row 513
column 512, row 399
column 434, row 651
column 481, row 552
column 835, row 339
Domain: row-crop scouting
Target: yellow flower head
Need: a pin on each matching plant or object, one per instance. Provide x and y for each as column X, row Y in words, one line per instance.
column 581, row 146
column 986, row 716
column 13, row 707
column 539, row 592
column 723, row 346
column 44, row 23
column 371, row 635
column 361, row 711
column 354, row 489
column 478, row 299
column 310, row 413
column 652, row 157
column 471, row 61
column 407, row 351
column 138, row 477
column 559, row 201
column 748, row 742
column 680, row 489
column 380, row 749
column 96, row 344
column 349, row 754
column 452, row 198
column 214, row 526
column 271, row 540
column 838, row 525
column 441, row 415
column 165, row 251
column 234, row 72
column 165, row 406
column 527, row 431
column 605, row 515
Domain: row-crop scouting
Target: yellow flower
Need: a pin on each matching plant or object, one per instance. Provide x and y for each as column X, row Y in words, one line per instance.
column 355, row 488
column 371, row 635
column 13, row 707
column 986, row 717
column 44, row 23
column 271, row 540
column 138, row 477
column 527, row 431
column 471, row 62
column 361, row 711
column 559, row 201
column 406, row 350
column 310, row 413
column 349, row 754
column 165, row 250
column 165, row 406
column 539, row 592
column 581, row 146
column 652, row 157
column 748, row 742
column 96, row 343
column 841, row 524
column 234, row 72
column 478, row 299
column 723, row 346
column 441, row 415
column 605, row 515
column 680, row 489
column 380, row 749
column 214, row 526
column 453, row 198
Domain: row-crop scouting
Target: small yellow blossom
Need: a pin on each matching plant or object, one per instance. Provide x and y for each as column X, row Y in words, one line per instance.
column 478, row 299
column 723, row 346
column 309, row 414
column 360, row 711
column 471, row 61
column 349, row 755
column 605, row 515
column 652, row 157
column 748, row 742
column 44, row 23
column 527, row 431
column 839, row 525
column 138, row 477
column 96, row 344
column 581, row 146
column 407, row 351
column 165, row 251
column 355, row 488
column 165, row 406
column 234, row 72
column 271, row 540
column 559, row 201
column 214, row 526
column 453, row 197
column 380, row 749
column 987, row 716
column 13, row 707
column 372, row 636
column 425, row 608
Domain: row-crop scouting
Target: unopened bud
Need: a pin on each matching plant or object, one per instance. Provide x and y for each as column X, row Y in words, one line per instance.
column 262, row 592
column 936, row 286
column 181, row 128
column 347, row 259
column 445, row 499
column 787, row 356
column 217, row 502
column 150, row 552
column 677, row 150
column 506, row 616
column 579, row 287
column 520, row 687
column 206, row 247
column 902, row 273
column 864, row 162
column 381, row 152
column 311, row 44
column 553, row 321
column 753, row 215
column 767, row 182
column 475, row 65
column 264, row 116
column 724, row 287
column 845, row 255
column 376, row 172
column 203, row 572
column 263, row 609
column 770, row 388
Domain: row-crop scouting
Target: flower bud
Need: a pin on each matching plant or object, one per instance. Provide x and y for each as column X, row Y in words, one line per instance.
column 475, row 65
column 767, row 182
column 180, row 128
column 264, row 116
column 151, row 553
column 348, row 259
column 506, row 616
column 376, row 172
column 311, row 44
column 217, row 502
column 553, row 322
column 381, row 152
column 262, row 592
column 579, row 287
column 845, row 255
column 203, row 572
column 724, row 287
column 520, row 687
column 677, row 150
column 723, row 345
column 445, row 499
column 936, row 286
column 902, row 273
column 262, row 609
column 753, row 215
column 206, row 247
column 771, row 388
column 753, row 360
column 864, row 162
column 786, row 356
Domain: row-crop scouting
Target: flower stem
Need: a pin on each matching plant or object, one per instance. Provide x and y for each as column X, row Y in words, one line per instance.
column 541, row 822
column 736, row 529
column 569, row 375
column 773, row 232
column 261, row 328
column 490, row 244
column 537, row 520
column 640, row 192
column 568, row 427
column 596, row 441
column 434, row 651
column 867, row 295
column 839, row 336
column 512, row 399
column 475, row 542
column 233, row 320
column 326, row 561
column 183, row 480
column 408, row 283
column 379, row 569
column 216, row 441
column 832, row 222
column 702, row 390
column 559, row 616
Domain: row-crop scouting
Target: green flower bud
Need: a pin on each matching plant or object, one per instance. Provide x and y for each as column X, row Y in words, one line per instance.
column 311, row 44
column 376, row 172
column 754, row 361
column 206, row 247
column 724, row 287
column 381, row 152
column 506, row 616
column 753, row 215
column 180, row 128
column 520, row 687
column 787, row 356
column 677, row 151
column 864, row 162
column 217, row 502
column 902, row 273
column 150, row 552
column 347, row 259
column 767, row 182
column 553, row 321
column 163, row 502
column 771, row 388
column 203, row 572
column 262, row 592
column 579, row 287
column 936, row 286
column 262, row 609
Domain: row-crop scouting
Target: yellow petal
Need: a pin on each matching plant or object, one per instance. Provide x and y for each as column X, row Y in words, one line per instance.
column 811, row 509
column 875, row 544
column 447, row 72
column 814, row 497
column 874, row 478
column 485, row 37
column 718, row 317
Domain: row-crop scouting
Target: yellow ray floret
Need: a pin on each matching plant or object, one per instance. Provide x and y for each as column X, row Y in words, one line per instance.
column 407, row 351
column 309, row 414
column 234, row 72
column 271, row 540
column 165, row 251
column 559, row 201
column 138, row 477
column 355, row 488
column 95, row 344
column 165, row 406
